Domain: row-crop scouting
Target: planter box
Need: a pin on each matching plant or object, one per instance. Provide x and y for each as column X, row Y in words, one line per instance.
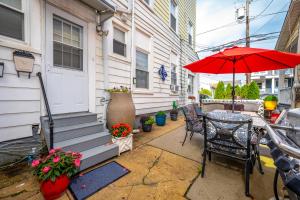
column 125, row 143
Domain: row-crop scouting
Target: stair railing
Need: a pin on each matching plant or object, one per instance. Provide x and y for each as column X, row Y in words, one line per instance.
column 50, row 121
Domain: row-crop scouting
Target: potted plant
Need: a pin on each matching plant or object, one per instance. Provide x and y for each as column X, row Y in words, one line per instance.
column 160, row 118
column 55, row 170
column 147, row 122
column 174, row 111
column 120, row 102
column 122, row 136
column 270, row 102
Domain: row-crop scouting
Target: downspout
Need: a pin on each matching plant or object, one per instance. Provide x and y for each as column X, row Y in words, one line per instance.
column 132, row 43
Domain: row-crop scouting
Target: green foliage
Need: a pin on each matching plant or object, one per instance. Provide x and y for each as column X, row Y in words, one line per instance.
column 121, row 89
column 228, row 91
column 237, row 90
column 205, row 92
column 271, row 98
column 57, row 163
column 174, row 105
column 150, row 121
column 244, row 91
column 220, row 91
column 253, row 91
column 161, row 113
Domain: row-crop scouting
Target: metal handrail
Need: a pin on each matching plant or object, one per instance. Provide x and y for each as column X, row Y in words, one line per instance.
column 50, row 121
column 294, row 152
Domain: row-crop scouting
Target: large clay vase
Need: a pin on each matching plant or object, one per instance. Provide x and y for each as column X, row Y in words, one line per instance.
column 120, row 109
column 53, row 190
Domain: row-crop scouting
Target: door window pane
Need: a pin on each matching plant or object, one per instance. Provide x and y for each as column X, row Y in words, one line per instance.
column 142, row 73
column 119, row 46
column 67, row 44
column 190, row 84
column 173, row 75
column 11, row 23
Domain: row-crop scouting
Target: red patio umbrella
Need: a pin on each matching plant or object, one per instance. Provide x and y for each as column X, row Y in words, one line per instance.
column 244, row 60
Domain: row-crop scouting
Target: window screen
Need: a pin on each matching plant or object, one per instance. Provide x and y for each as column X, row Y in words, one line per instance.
column 119, row 46
column 11, row 20
column 67, row 44
column 142, row 73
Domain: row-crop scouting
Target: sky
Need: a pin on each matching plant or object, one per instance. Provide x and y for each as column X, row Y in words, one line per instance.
column 215, row 13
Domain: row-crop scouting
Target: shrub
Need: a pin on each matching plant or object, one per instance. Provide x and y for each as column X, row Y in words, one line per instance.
column 244, row 91
column 121, row 130
column 205, row 92
column 150, row 121
column 220, row 91
column 161, row 113
column 271, row 98
column 228, row 91
column 55, row 164
column 237, row 90
column 253, row 91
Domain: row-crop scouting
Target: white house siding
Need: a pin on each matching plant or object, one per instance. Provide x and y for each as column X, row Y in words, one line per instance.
column 19, row 96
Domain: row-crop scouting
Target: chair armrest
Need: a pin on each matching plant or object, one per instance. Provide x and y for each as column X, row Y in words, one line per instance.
column 286, row 128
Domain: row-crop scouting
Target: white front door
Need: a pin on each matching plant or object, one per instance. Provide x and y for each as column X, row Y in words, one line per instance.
column 66, row 62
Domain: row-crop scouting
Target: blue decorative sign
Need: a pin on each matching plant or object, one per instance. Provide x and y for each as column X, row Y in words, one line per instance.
column 162, row 73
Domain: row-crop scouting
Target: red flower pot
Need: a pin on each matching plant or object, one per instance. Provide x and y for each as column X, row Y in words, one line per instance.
column 53, row 190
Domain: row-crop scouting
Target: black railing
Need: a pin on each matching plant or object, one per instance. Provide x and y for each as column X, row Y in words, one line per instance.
column 50, row 119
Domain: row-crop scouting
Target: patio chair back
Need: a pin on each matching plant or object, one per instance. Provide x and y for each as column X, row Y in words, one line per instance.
column 190, row 116
column 228, row 134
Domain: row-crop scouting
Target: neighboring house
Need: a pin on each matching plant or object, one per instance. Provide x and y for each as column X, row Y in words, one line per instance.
column 289, row 41
column 83, row 47
column 267, row 81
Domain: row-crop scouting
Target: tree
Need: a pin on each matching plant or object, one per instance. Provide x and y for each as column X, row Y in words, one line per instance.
column 220, row 91
column 237, row 91
column 205, row 92
column 253, row 91
column 244, row 91
column 228, row 91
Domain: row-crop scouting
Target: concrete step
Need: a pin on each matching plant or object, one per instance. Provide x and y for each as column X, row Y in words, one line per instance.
column 70, row 119
column 97, row 155
column 84, row 143
column 74, row 131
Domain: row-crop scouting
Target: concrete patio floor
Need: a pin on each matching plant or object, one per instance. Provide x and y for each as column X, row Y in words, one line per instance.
column 160, row 169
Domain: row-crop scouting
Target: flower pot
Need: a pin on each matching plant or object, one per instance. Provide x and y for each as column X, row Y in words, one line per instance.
column 124, row 143
column 147, row 127
column 53, row 190
column 160, row 120
column 270, row 105
column 120, row 109
column 173, row 116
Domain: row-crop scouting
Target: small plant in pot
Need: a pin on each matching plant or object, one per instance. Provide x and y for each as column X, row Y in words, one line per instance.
column 55, row 170
column 174, row 111
column 147, row 122
column 160, row 118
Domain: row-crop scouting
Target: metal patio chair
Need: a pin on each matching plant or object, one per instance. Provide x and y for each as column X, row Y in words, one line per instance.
column 193, row 123
column 230, row 135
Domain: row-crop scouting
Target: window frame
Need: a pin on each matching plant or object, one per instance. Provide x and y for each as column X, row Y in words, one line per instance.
column 176, row 15
column 125, row 42
column 148, row 67
column 192, row 84
column 190, row 33
column 26, row 26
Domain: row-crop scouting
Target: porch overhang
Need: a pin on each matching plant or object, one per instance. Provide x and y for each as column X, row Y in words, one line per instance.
column 104, row 7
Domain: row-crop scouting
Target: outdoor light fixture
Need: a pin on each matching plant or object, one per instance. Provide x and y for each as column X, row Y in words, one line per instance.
column 1, row 69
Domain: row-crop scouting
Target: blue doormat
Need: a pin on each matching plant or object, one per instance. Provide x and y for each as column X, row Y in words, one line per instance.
column 87, row 184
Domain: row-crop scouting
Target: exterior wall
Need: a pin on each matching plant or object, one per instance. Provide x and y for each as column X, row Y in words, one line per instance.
column 20, row 97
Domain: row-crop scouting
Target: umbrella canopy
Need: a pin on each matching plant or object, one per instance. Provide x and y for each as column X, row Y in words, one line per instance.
column 244, row 60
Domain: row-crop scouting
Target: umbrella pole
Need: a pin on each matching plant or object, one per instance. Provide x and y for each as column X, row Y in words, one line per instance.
column 233, row 86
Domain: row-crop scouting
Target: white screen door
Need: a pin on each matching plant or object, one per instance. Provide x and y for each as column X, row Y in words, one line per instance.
column 66, row 62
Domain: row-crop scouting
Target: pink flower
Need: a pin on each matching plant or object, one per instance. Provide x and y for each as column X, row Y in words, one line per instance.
column 69, row 152
column 46, row 169
column 57, row 148
column 77, row 162
column 52, row 151
column 35, row 163
column 56, row 159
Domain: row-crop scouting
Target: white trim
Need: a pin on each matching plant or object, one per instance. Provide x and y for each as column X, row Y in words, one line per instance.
column 92, row 66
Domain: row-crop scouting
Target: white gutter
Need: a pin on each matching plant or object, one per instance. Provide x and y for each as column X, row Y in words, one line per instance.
column 132, row 42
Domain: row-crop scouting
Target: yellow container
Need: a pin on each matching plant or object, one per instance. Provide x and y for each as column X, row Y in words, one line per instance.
column 270, row 105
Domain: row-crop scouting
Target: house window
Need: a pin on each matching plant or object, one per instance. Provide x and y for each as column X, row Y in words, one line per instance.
column 173, row 15
column 12, row 19
column 190, row 84
column 142, row 70
column 191, row 31
column 67, row 44
column 173, row 75
column 119, row 46
column 147, row 1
